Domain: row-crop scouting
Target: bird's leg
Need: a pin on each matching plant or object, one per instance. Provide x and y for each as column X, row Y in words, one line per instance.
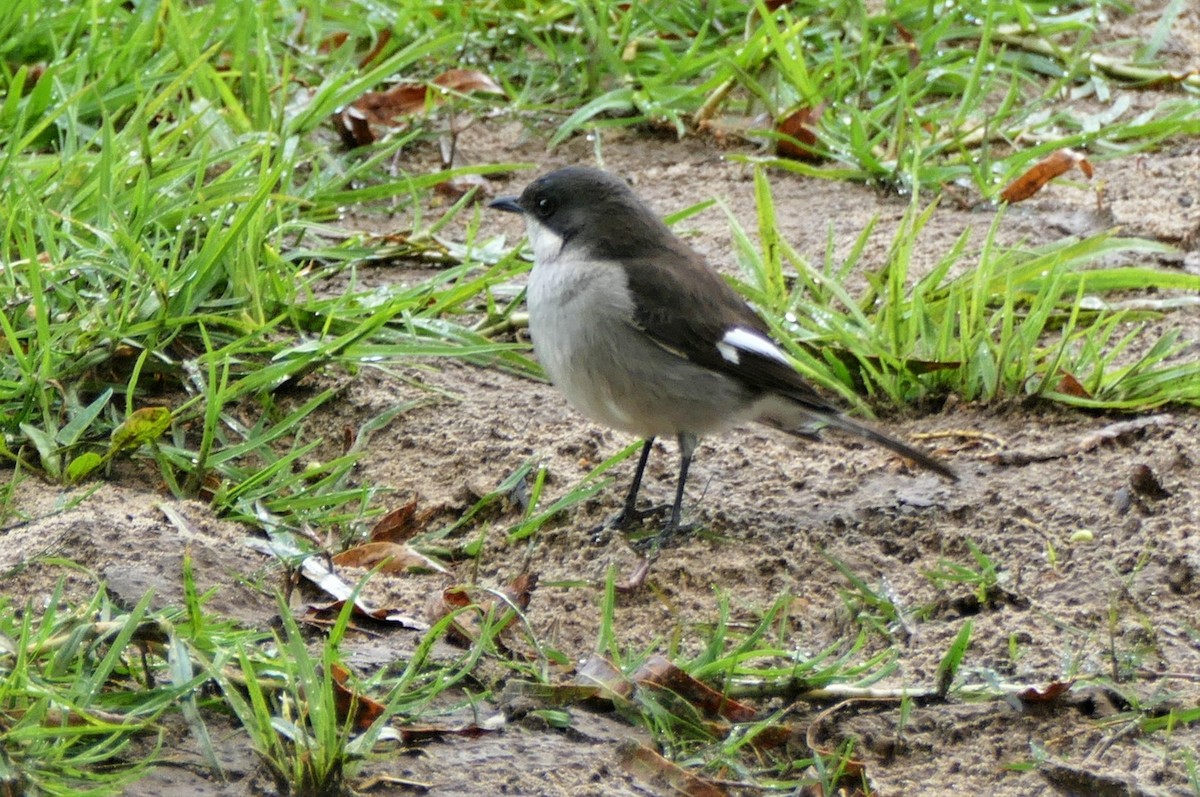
column 653, row 546
column 674, row 524
column 630, row 512
column 687, row 448
column 630, row 515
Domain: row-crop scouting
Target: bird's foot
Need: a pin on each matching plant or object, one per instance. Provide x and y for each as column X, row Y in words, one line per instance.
column 651, row 543
column 626, row 520
column 650, row 547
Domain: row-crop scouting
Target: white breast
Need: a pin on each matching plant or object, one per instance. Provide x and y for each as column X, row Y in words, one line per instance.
column 578, row 314
column 582, row 320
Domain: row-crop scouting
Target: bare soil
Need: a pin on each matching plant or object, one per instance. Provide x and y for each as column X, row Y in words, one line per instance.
column 1098, row 576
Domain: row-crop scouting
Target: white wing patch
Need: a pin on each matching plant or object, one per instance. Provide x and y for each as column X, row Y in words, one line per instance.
column 728, row 352
column 740, row 339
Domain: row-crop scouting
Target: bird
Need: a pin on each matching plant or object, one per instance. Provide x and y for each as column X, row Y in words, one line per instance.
column 642, row 335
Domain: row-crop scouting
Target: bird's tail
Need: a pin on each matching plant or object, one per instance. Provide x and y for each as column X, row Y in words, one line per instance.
column 903, row 449
column 803, row 421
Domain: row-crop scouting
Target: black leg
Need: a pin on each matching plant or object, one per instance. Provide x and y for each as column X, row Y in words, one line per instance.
column 631, row 498
column 630, row 516
column 687, row 447
column 653, row 546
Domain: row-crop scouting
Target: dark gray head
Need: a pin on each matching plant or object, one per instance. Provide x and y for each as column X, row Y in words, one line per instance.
column 587, row 207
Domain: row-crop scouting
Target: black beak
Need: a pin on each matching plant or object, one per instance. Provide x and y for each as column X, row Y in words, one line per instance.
column 507, row 203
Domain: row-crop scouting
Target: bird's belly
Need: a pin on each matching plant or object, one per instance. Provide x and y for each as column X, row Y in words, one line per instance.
column 615, row 375
column 649, row 401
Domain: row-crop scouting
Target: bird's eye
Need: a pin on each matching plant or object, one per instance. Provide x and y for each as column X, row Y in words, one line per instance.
column 543, row 207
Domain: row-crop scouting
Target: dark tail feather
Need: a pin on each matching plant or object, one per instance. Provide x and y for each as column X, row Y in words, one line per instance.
column 903, row 449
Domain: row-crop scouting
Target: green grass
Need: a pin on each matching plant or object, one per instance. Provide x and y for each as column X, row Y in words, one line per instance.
column 174, row 208
column 1014, row 322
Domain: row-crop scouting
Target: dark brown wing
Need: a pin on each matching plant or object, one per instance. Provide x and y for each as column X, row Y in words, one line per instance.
column 688, row 308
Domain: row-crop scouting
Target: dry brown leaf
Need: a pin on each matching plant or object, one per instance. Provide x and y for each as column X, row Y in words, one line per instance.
column 467, row 626
column 799, row 126
column 910, row 45
column 354, row 128
column 1045, row 694
column 411, row 734
column 394, row 558
column 599, row 671
column 397, row 525
column 1053, row 165
column 346, row 700
column 650, row 767
column 333, row 41
column 385, row 108
column 465, row 81
column 659, row 671
column 456, row 188
column 537, row 695
column 1070, row 386
column 385, row 36
column 326, row 613
column 520, row 592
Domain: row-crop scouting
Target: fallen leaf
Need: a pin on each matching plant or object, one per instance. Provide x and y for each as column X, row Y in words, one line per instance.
column 1070, row 386
column 315, row 568
column 1051, row 691
column 385, row 36
column 458, row 187
column 1053, row 165
column 356, row 122
column 910, row 45
column 467, row 626
column 327, row 613
column 534, row 694
column 383, row 107
column 353, row 127
column 799, row 138
column 420, row 733
column 335, row 40
column 599, row 671
column 520, row 592
column 658, row 671
column 650, row 767
column 465, row 81
column 396, row 526
column 349, row 703
column 393, row 557
column 332, row 42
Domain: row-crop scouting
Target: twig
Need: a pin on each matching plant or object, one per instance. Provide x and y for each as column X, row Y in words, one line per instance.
column 755, row 688
column 1087, row 442
column 1114, row 67
column 510, row 323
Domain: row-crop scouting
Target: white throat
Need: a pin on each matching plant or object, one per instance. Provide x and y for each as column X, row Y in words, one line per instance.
column 545, row 242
